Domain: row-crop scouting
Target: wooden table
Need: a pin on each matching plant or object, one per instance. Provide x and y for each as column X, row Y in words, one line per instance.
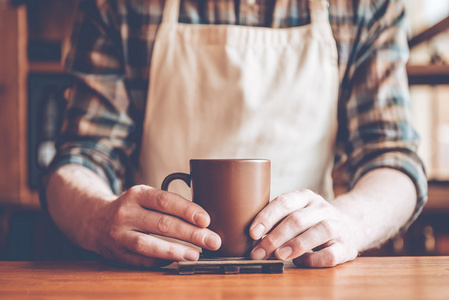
column 365, row 278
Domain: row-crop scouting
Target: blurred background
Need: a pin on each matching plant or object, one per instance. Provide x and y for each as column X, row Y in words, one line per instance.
column 33, row 41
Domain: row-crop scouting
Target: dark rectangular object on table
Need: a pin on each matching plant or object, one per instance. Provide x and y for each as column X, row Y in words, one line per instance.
column 231, row 265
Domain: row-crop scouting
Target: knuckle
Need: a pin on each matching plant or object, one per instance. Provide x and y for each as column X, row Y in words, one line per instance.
column 163, row 200
column 196, row 236
column 135, row 190
column 172, row 252
column 139, row 244
column 271, row 242
column 285, row 202
column 322, row 204
column 300, row 246
column 192, row 209
column 328, row 228
column 189, row 211
column 330, row 258
column 309, row 194
column 121, row 214
column 306, row 192
column 164, row 224
column 297, row 220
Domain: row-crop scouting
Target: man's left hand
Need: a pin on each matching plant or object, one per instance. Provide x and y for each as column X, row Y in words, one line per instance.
column 306, row 228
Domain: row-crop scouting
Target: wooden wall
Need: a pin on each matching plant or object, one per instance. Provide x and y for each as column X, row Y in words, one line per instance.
column 13, row 107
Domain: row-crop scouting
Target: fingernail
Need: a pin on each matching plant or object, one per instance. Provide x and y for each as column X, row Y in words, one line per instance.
column 191, row 255
column 298, row 261
column 284, row 252
column 257, row 231
column 212, row 241
column 201, row 219
column 258, row 254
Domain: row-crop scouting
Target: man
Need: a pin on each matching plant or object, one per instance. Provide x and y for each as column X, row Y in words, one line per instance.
column 323, row 82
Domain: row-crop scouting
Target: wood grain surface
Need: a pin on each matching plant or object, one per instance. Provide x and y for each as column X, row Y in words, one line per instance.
column 365, row 278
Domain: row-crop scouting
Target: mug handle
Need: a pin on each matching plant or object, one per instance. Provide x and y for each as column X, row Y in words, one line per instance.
column 183, row 176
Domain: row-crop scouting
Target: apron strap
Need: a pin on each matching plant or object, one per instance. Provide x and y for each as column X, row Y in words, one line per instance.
column 171, row 11
column 318, row 11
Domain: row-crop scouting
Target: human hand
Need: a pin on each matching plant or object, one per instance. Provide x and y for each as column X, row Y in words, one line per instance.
column 124, row 225
column 299, row 222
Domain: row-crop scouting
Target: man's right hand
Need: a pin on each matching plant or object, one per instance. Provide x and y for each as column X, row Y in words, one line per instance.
column 125, row 226
column 120, row 228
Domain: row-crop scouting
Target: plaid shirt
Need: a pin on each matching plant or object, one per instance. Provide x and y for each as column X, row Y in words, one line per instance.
column 110, row 59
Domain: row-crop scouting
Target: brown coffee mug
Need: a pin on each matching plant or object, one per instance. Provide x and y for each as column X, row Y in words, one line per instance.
column 233, row 192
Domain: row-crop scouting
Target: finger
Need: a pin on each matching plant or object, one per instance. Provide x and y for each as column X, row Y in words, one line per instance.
column 277, row 210
column 170, row 203
column 328, row 257
column 292, row 226
column 123, row 256
column 313, row 237
column 129, row 258
column 153, row 247
column 170, row 226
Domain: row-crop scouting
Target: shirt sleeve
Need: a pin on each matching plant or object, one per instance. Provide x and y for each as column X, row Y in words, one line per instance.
column 97, row 129
column 376, row 127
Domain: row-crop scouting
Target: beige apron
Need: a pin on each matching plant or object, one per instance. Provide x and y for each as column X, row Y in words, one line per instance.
column 227, row 91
